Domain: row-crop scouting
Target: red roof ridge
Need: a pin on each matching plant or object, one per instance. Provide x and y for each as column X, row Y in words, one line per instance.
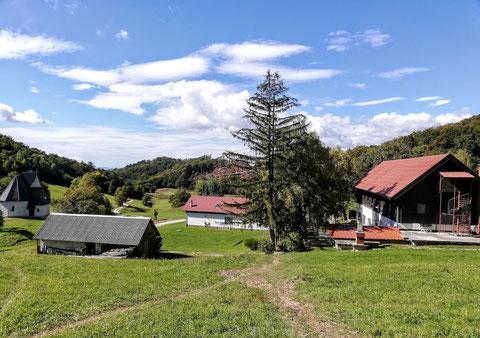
column 415, row 158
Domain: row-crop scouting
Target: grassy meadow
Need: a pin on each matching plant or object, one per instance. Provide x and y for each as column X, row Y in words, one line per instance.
column 395, row 292
column 160, row 203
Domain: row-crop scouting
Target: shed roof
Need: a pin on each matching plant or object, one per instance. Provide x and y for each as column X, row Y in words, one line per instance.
column 214, row 204
column 456, row 174
column 116, row 230
column 391, row 177
column 371, row 233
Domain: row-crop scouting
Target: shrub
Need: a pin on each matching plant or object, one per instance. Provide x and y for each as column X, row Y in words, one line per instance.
column 293, row 243
column 147, row 201
column 179, row 198
column 251, row 243
column 266, row 246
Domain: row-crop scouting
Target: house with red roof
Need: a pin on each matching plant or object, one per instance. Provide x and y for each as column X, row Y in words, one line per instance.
column 217, row 212
column 437, row 193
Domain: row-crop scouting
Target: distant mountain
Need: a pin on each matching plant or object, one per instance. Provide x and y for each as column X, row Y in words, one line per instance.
column 461, row 139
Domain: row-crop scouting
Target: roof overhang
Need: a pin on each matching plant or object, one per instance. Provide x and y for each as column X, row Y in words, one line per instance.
column 456, row 174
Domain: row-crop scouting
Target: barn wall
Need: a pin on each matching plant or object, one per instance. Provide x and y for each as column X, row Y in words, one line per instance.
column 218, row 221
column 42, row 245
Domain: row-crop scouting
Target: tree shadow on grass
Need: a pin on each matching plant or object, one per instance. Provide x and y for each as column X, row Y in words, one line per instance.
column 171, row 255
column 27, row 234
column 137, row 209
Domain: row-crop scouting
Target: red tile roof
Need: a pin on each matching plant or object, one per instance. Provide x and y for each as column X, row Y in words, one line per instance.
column 371, row 233
column 214, row 204
column 456, row 174
column 390, row 177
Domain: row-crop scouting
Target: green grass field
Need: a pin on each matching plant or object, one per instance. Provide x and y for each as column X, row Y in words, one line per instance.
column 160, row 203
column 178, row 237
column 396, row 292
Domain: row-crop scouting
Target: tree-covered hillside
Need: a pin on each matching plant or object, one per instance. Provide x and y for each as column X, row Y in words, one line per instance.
column 461, row 139
column 16, row 156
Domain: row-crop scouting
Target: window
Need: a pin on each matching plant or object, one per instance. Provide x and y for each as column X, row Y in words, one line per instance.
column 38, row 209
column 228, row 220
column 421, row 208
column 13, row 208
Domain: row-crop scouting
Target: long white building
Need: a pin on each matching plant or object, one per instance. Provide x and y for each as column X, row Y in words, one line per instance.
column 217, row 212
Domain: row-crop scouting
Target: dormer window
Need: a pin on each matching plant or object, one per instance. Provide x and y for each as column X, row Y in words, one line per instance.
column 217, row 206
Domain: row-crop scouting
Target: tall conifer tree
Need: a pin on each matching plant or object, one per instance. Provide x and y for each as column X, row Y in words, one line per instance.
column 271, row 137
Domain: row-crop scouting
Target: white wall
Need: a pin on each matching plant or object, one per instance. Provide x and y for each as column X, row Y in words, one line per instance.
column 20, row 208
column 218, row 221
column 372, row 217
column 42, row 211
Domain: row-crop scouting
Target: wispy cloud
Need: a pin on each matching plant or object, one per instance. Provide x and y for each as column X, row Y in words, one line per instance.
column 358, row 85
column 82, row 86
column 439, row 103
column 28, row 116
column 374, row 102
column 122, row 35
column 18, row 46
column 427, row 98
column 318, row 108
column 342, row 40
column 338, row 103
column 100, row 32
column 401, row 72
column 34, row 90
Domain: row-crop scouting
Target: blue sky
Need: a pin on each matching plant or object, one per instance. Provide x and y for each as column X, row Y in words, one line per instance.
column 115, row 82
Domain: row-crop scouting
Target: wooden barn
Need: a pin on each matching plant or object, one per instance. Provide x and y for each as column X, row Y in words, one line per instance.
column 95, row 234
column 437, row 193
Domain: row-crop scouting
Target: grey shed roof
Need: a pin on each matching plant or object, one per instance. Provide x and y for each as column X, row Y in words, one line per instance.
column 117, row 230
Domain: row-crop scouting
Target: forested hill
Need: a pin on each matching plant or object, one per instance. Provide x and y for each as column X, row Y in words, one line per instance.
column 16, row 156
column 461, row 139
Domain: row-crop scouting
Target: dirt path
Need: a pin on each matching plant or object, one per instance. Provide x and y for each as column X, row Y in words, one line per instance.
column 169, row 222
column 117, row 210
column 281, row 293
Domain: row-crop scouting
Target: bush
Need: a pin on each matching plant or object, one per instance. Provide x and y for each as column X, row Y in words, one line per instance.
column 291, row 244
column 147, row 201
column 266, row 246
column 179, row 198
column 251, row 243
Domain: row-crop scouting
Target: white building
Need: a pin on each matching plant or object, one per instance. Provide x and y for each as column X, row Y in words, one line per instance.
column 24, row 197
column 217, row 212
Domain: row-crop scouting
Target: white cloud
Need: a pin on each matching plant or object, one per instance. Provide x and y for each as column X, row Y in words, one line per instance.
column 304, row 102
column 427, row 98
column 157, row 71
column 338, row 103
column 183, row 104
column 100, row 32
column 123, row 146
column 342, row 40
column 370, row 103
column 18, row 46
column 401, row 72
column 358, row 85
column 258, row 70
column 28, row 116
column 34, row 90
column 254, row 50
column 82, row 86
column 318, row 108
column 439, row 103
column 122, row 35
column 336, row 130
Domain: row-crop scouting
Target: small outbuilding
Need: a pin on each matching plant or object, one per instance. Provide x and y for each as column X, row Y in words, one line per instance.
column 94, row 234
column 25, row 197
column 217, row 212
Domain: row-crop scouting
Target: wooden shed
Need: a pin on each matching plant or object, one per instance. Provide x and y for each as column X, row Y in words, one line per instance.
column 94, row 234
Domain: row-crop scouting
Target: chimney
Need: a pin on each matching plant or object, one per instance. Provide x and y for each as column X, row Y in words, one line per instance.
column 191, row 203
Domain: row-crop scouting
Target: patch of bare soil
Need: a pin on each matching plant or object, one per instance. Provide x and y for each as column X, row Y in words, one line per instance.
column 299, row 315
